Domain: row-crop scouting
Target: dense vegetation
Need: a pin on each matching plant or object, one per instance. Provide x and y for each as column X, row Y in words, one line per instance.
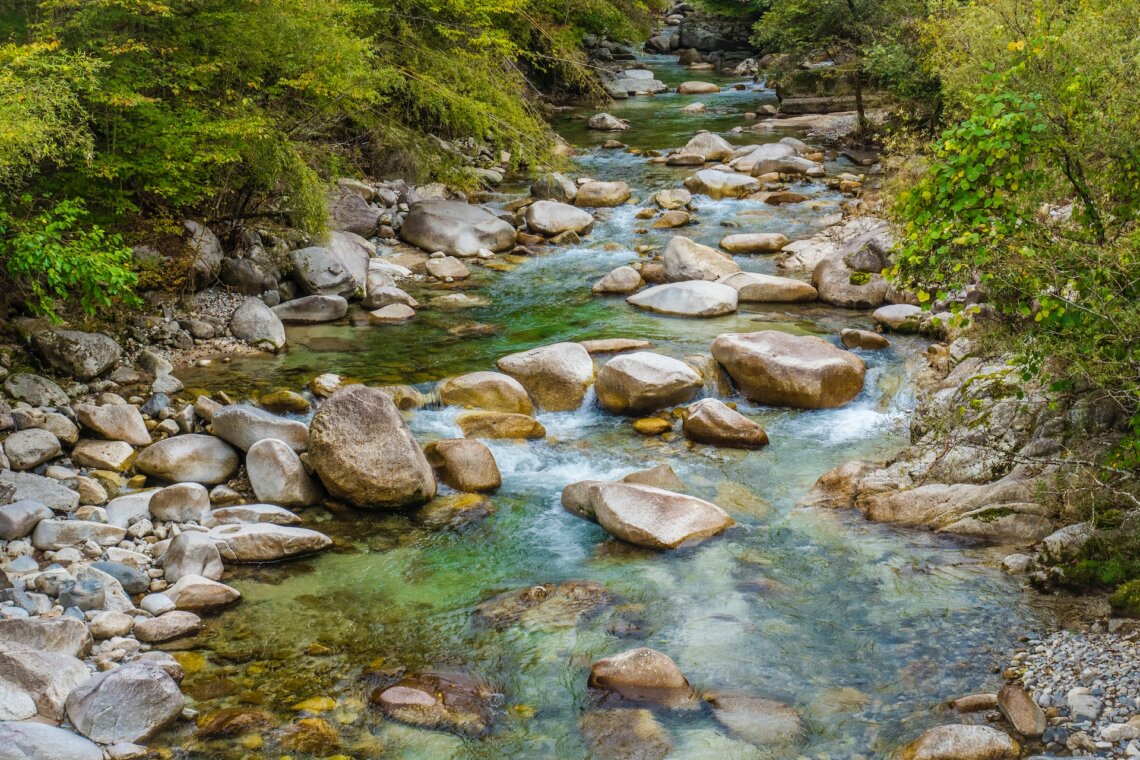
column 127, row 115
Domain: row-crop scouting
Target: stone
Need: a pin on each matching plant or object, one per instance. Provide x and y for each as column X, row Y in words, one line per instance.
column 277, row 475
column 36, row 741
column 192, row 553
column 234, row 721
column 642, row 675
column 766, row 288
column 718, row 184
column 35, row 390
column 115, row 422
column 257, row 324
column 482, row 424
column 962, row 742
column 630, row 734
column 1066, row 544
column 82, row 355
column 319, row 271
column 47, row 491
column 839, row 285
column 46, row 677
column 975, row 703
column 456, row 228
column 454, row 511
column 556, row 376
column 621, row 281
column 205, row 251
column 604, row 122
column 311, row 736
column 131, row 703
column 685, row 259
column 1027, row 718
column 597, row 194
column 363, row 452
column 19, row 518
column 266, row 542
column 899, row 317
column 653, row 517
column 754, row 242
column 780, row 369
column 284, row 401
column 103, row 455
column 697, row 88
column 672, row 220
column 758, row 721
column 552, row 218
column 613, row 345
column 314, row 309
column 392, row 314
column 711, row 421
column 156, row 604
column 660, row 476
column 55, row 534
column 708, row 146
column 64, row 636
column 194, row 593
column 554, row 187
column 642, row 382
column 350, row 212
column 670, row 200
column 167, row 627
column 464, row 464
column 695, row 298
column 28, row 449
column 181, row 502
column 454, row 702
column 447, row 268
column 243, row 425
column 189, row 458
column 492, row 391
column 865, row 339
column 107, row 625
column 550, row 605
column 242, row 514
column 132, row 579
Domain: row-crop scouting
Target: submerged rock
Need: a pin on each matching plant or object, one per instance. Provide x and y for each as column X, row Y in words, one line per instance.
column 642, row 675
column 626, row 733
column 548, row 605
column 962, row 742
column 454, row 702
column 759, row 721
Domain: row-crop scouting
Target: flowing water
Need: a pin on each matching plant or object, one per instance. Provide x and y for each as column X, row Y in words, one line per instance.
column 865, row 629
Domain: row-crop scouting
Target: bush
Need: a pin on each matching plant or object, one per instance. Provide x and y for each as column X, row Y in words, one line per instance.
column 1126, row 599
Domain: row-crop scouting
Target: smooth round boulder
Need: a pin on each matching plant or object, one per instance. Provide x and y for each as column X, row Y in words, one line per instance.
column 266, row 542
column 115, row 422
column 244, row 425
column 464, row 464
column 642, row 675
column 552, row 218
column 195, row 593
column 167, row 627
column 697, row 88
column 313, row 309
column 192, row 553
column 604, row 122
column 711, row 421
column 277, row 475
column 554, row 187
column 319, row 271
column 899, row 317
column 686, row 259
column 671, row 200
column 19, row 518
column 709, row 146
column 780, row 369
column 839, row 285
column 28, row 449
column 655, row 518
column 255, row 323
column 620, row 281
column 754, row 242
column 364, row 453
column 456, row 228
column 131, row 703
column 597, row 194
column 643, row 382
column 181, row 502
column 492, row 391
column 556, row 376
column 766, row 288
column 718, row 184
column 962, row 742
column 83, row 355
column 189, row 458
column 447, row 267
column 865, row 339
column 695, row 298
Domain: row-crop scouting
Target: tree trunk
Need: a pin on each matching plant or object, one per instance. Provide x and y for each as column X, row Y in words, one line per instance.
column 859, row 108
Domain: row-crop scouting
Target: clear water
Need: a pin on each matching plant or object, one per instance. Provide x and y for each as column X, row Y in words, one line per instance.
column 864, row 628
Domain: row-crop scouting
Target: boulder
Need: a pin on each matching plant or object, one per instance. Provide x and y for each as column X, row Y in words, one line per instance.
column 464, row 464
column 556, row 376
column 685, row 260
column 708, row 146
column 192, row 458
column 115, row 422
column 780, row 369
column 554, row 187
column 840, row 285
column 277, row 475
column 350, row 212
column 711, row 421
column 312, row 309
column 899, row 317
column 103, row 455
column 354, row 254
column 126, row 510
column 181, row 502
column 499, row 425
column 255, row 323
column 265, row 542
column 604, row 122
column 758, row 721
column 697, row 88
column 44, row 677
column 363, row 452
column 598, row 194
column 195, row 592
column 61, row 635
column 54, row 534
column 717, row 184
column 319, row 271
column 643, row 382
column 47, row 491
column 642, row 675
column 35, row 390
column 962, row 742
column 243, row 425
column 82, row 355
column 492, row 391
column 243, row 514
column 447, row 268
column 380, row 296
column 621, row 281
column 630, row 734
column 671, row 220
column 28, row 449
column 696, row 298
column 456, row 228
column 671, row 200
column 19, row 518
column 36, row 741
column 864, row 339
column 453, row 702
column 131, row 703
column 167, row 627
column 754, row 242
column 766, row 288
column 1021, row 711
column 191, row 553
column 653, row 517
column 393, row 314
column 552, row 218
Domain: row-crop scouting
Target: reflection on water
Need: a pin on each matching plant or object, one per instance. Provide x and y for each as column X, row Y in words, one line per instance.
column 865, row 629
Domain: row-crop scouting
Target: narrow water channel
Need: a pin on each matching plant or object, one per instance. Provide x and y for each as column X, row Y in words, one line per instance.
column 865, row 629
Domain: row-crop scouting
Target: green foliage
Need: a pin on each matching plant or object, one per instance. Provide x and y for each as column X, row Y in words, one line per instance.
column 55, row 256
column 1126, row 599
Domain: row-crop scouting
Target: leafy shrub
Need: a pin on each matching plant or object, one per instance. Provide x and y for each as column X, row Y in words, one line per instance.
column 1126, row 599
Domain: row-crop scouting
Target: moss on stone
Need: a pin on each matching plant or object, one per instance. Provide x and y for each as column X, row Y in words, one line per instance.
column 1126, row 598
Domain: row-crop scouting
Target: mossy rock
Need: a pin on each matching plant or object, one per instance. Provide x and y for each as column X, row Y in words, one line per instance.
column 1126, row 599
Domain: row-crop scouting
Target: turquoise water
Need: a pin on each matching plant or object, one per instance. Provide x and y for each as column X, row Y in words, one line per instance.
column 865, row 629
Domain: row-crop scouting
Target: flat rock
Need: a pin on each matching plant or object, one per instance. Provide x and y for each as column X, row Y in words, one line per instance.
column 780, row 369
column 655, row 518
column 627, row 733
column 1021, row 711
column 312, row 309
column 598, row 194
column 899, row 317
column 55, row 534
column 36, row 741
column 696, row 298
column 266, row 542
column 167, row 627
column 19, row 518
column 752, row 287
column 396, row 313
column 103, row 455
column 865, row 339
column 758, row 721
column 754, row 242
column 47, row 491
column 962, row 742
column 613, row 345
column 28, row 449
column 194, row 593
column 718, row 184
column 243, row 425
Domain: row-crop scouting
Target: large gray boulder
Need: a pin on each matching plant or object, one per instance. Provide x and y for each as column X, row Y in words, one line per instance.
column 552, row 218
column 131, row 703
column 277, row 475
column 598, row 194
column 354, row 254
column 780, row 369
column 604, row 122
column 319, row 271
column 47, row 491
column 695, row 298
column 46, row 677
column 554, row 187
column 115, row 422
column 19, row 518
column 181, row 502
column 266, row 542
column 456, row 228
column 653, row 517
column 767, row 288
column 244, row 425
column 556, row 376
column 363, row 452
column 312, row 309
column 62, row 635
column 686, row 259
column 192, row 553
column 643, row 382
column 82, row 355
column 717, row 184
column 840, row 285
column 711, row 147
column 192, row 458
column 255, row 323
column 35, row 390
column 205, row 251
column 35, row 741
column 351, row 213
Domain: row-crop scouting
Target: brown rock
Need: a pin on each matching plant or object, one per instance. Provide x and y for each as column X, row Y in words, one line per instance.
column 464, row 464
column 642, row 675
column 711, row 421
